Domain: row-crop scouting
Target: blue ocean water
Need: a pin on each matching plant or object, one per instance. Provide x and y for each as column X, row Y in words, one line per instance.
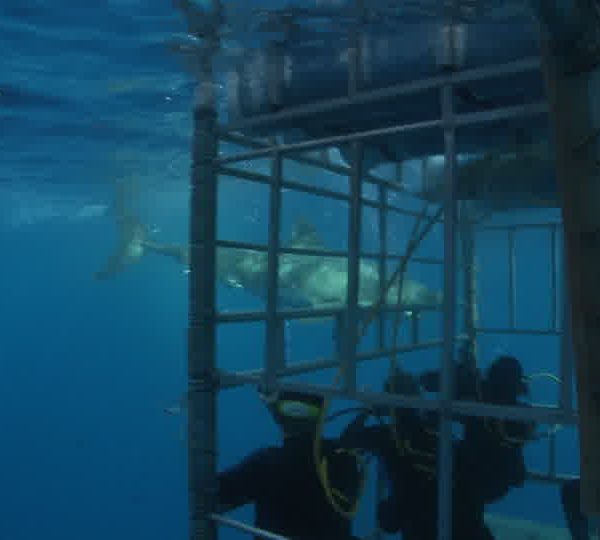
column 90, row 95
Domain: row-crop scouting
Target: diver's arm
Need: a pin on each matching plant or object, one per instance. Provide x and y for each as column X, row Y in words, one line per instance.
column 357, row 436
column 241, row 484
column 466, row 381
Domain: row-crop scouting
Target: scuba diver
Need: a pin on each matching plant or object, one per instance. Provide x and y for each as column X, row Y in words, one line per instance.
column 407, row 449
column 577, row 521
column 305, row 488
column 488, row 460
column 489, row 457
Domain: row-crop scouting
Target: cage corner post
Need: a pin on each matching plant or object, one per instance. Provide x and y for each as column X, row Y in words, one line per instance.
column 203, row 385
column 571, row 62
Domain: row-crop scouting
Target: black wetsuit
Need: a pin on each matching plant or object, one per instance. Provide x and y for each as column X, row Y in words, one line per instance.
column 489, row 458
column 283, row 484
column 410, row 460
column 577, row 521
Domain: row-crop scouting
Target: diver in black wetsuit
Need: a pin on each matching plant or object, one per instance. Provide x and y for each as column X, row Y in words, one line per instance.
column 577, row 521
column 284, row 482
column 407, row 454
column 492, row 450
column 407, row 449
column 489, row 458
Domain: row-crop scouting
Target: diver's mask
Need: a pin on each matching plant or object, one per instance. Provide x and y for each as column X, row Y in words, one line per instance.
column 296, row 412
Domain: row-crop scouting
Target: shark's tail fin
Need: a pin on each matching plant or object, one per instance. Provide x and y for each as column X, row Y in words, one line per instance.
column 131, row 233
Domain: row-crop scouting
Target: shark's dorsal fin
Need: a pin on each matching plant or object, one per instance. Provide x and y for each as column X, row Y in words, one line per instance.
column 305, row 236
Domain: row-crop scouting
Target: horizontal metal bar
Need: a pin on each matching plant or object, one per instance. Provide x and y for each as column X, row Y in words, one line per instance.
column 305, row 188
column 292, row 251
column 519, row 227
column 503, row 113
column 519, row 331
column 389, row 256
column 240, row 525
column 328, row 391
column 264, row 179
column 229, row 380
column 394, row 209
column 245, row 174
column 285, row 184
column 309, row 313
column 334, row 140
column 459, row 120
column 321, row 192
column 544, row 415
column 234, row 380
column 260, row 316
column 232, row 244
column 537, row 476
column 342, row 170
column 398, row 90
column 383, row 353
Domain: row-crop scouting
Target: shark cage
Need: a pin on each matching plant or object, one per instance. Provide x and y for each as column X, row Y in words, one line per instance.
column 441, row 135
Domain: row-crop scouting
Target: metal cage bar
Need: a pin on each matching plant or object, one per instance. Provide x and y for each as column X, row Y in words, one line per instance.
column 382, row 94
column 444, row 467
column 512, row 263
column 275, row 328
column 554, row 298
column 261, row 178
column 468, row 266
column 202, row 369
column 348, row 361
column 539, row 414
column 383, row 257
column 319, row 252
column 460, row 120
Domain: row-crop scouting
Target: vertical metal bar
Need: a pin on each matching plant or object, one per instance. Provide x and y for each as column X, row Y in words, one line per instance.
column 552, row 455
column 511, row 278
column 554, row 325
column 355, row 53
column 275, row 52
column 354, row 234
column 470, row 283
column 444, row 467
column 202, row 369
column 566, row 353
column 339, row 333
column 274, row 350
column 382, row 213
column 415, row 327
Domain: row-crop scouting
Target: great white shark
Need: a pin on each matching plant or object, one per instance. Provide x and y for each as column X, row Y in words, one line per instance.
column 318, row 282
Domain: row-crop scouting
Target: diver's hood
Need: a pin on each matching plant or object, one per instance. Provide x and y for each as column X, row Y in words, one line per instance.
column 297, row 412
